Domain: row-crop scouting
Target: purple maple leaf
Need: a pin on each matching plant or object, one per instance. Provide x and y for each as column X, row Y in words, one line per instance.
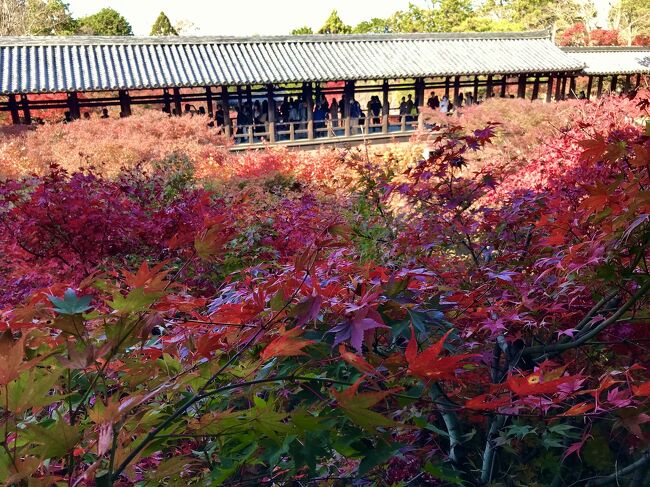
column 353, row 331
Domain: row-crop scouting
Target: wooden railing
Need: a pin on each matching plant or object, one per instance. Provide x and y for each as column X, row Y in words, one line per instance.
column 288, row 132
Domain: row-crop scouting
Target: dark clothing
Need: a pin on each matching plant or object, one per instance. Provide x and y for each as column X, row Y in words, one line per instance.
column 433, row 102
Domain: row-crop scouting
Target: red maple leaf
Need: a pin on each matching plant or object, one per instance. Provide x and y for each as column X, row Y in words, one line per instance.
column 428, row 365
column 287, row 344
column 535, row 384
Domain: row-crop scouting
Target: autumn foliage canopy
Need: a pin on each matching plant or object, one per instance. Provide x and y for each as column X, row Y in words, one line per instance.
column 192, row 317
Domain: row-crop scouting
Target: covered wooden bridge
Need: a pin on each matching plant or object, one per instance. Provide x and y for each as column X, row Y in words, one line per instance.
column 172, row 73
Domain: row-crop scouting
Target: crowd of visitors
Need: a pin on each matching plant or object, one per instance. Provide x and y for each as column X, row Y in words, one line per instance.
column 326, row 114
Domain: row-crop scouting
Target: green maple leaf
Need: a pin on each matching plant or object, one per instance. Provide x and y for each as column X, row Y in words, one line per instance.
column 71, row 304
column 137, row 300
column 55, row 441
column 30, row 390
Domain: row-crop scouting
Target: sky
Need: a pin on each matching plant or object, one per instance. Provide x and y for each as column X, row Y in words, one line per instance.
column 242, row 17
column 250, row 17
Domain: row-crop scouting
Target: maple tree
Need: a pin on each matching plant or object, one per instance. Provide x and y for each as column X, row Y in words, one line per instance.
column 478, row 317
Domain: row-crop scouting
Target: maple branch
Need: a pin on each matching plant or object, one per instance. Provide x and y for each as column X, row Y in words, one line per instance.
column 200, row 393
column 633, row 467
column 544, row 350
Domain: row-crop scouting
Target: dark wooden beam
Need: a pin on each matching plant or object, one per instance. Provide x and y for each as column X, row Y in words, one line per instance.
column 560, row 80
column 488, row 88
column 590, row 86
column 225, row 104
column 419, row 92
column 73, row 105
column 208, row 101
column 447, row 79
column 309, row 97
column 549, row 88
column 349, row 94
column 535, row 94
column 504, row 84
column 612, row 86
column 628, row 83
column 572, row 87
column 638, row 80
column 599, row 87
column 167, row 101
column 249, row 95
column 13, row 109
column 270, row 117
column 456, row 89
column 475, row 92
column 521, row 86
column 385, row 107
column 24, row 103
column 239, row 96
column 563, row 87
column 125, row 103
column 178, row 102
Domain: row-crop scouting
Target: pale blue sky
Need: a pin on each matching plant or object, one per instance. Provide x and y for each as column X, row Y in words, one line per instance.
column 243, row 17
column 249, row 17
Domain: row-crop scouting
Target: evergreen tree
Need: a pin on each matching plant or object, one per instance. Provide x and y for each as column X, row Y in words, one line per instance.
column 163, row 27
column 106, row 22
column 334, row 25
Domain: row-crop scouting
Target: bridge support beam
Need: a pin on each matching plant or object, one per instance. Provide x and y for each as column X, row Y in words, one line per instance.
column 549, row 88
column 13, row 109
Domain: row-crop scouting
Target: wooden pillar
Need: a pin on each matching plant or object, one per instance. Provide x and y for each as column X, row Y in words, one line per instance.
column 249, row 95
column 456, row 89
column 13, row 109
column 27, row 116
column 521, row 86
column 167, row 103
column 239, row 96
column 385, row 108
column 349, row 93
column 208, row 101
column 628, row 83
column 612, row 87
column 270, row 117
column 447, row 87
column 475, row 92
column 549, row 88
column 225, row 104
column 590, row 85
column 307, row 90
column 178, row 102
column 572, row 87
column 73, row 105
column 125, row 103
column 504, row 86
column 419, row 92
column 599, row 87
column 638, row 80
column 558, row 87
column 563, row 87
column 535, row 94
column 488, row 88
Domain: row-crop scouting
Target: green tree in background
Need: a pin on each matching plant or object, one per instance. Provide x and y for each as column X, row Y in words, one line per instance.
column 631, row 17
column 35, row 17
column 163, row 27
column 304, row 30
column 106, row 22
column 449, row 14
column 334, row 25
column 372, row 26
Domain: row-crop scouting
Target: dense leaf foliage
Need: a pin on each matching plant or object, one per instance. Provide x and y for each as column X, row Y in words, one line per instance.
column 474, row 317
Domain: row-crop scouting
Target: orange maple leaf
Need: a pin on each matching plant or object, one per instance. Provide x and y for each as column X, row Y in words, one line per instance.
column 642, row 389
column 357, row 361
column 427, row 365
column 287, row 344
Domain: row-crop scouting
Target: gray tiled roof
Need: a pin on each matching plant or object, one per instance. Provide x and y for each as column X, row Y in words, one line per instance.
column 56, row 64
column 612, row 60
